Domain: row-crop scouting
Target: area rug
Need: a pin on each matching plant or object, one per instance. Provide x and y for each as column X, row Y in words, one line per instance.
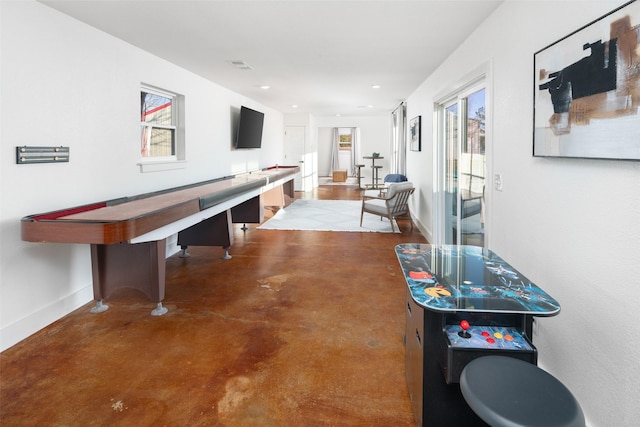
column 327, row 180
column 326, row 215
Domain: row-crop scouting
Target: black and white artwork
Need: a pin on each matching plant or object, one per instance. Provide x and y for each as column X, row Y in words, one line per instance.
column 587, row 90
column 415, row 138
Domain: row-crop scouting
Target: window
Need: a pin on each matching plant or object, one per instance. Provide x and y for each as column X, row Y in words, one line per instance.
column 462, row 167
column 158, row 125
column 161, row 129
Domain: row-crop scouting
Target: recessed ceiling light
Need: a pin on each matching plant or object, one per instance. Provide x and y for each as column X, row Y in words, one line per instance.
column 375, row 86
column 265, row 87
column 337, row 115
column 294, row 106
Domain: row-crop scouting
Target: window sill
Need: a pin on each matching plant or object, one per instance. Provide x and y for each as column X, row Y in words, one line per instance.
column 162, row 166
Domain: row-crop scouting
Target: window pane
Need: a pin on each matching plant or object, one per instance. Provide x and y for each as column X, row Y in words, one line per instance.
column 464, row 162
column 451, row 147
column 451, row 173
column 476, row 123
column 472, row 172
column 157, row 142
column 155, row 109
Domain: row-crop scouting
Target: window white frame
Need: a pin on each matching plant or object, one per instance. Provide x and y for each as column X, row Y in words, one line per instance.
column 178, row 160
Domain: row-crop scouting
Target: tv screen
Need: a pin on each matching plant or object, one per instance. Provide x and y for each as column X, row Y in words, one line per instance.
column 249, row 128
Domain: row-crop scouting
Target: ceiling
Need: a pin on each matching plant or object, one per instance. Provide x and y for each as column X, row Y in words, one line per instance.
column 323, row 56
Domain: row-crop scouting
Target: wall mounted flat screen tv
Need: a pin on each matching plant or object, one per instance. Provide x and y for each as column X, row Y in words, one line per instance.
column 249, row 128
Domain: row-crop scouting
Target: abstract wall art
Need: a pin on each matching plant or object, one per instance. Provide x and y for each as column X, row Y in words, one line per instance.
column 587, row 90
column 415, row 135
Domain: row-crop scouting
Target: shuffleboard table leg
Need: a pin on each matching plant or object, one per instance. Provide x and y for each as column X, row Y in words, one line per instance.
column 184, row 253
column 226, row 252
column 100, row 307
column 159, row 310
column 214, row 231
column 140, row 266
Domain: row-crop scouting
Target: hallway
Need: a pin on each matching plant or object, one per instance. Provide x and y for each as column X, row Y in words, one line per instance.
column 299, row 328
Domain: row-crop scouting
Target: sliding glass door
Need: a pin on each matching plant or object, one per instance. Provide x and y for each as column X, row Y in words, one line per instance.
column 461, row 173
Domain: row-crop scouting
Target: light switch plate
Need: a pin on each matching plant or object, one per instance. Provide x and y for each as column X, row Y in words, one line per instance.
column 497, row 181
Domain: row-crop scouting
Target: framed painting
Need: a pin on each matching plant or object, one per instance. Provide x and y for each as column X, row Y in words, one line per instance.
column 345, row 142
column 415, row 141
column 587, row 90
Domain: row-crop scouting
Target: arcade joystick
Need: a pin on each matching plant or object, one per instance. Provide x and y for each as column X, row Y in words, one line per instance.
column 463, row 333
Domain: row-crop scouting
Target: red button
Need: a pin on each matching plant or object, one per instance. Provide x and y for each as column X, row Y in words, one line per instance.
column 485, row 333
column 491, row 340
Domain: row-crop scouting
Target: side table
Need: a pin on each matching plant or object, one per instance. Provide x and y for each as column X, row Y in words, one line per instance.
column 374, row 170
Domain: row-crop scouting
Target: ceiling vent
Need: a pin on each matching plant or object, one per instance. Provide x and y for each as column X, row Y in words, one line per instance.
column 240, row 65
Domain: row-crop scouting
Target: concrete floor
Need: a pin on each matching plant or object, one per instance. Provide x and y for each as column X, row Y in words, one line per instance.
column 299, row 328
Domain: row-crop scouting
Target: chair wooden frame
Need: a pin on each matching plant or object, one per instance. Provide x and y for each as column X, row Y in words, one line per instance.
column 392, row 204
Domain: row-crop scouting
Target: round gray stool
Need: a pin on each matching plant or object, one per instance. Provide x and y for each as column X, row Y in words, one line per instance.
column 509, row 392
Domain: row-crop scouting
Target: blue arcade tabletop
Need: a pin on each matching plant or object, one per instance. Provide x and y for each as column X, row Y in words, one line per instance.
column 451, row 278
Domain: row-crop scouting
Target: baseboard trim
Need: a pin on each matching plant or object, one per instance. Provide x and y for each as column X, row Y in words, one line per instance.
column 23, row 328
column 425, row 232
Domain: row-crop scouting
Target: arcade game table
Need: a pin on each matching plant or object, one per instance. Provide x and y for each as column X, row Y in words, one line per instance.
column 463, row 302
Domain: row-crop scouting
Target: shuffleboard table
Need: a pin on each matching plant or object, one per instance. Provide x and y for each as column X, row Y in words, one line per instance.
column 128, row 235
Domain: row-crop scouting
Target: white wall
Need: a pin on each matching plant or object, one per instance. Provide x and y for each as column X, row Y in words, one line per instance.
column 65, row 83
column 325, row 148
column 325, row 138
column 375, row 136
column 570, row 225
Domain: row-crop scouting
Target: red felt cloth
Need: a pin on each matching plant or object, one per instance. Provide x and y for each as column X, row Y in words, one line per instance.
column 57, row 214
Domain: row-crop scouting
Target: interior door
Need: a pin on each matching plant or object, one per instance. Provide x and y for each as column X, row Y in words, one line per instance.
column 295, row 154
column 462, row 162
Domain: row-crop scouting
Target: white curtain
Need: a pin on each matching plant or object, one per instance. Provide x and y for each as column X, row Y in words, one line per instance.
column 335, row 147
column 398, row 161
column 355, row 149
